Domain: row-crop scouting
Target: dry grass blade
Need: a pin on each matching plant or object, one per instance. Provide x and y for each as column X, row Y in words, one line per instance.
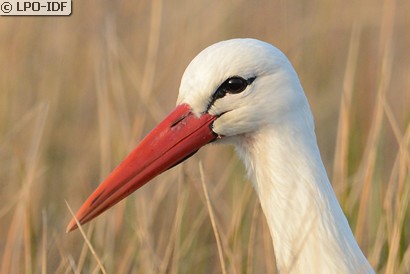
column 376, row 128
column 101, row 266
column 153, row 42
column 401, row 205
column 13, row 240
column 44, row 244
column 252, row 238
column 83, row 254
column 340, row 162
column 405, row 264
column 212, row 217
column 20, row 229
column 393, row 259
column 27, row 242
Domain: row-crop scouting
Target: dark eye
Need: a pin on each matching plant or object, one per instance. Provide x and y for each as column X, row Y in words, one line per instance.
column 232, row 85
column 235, row 85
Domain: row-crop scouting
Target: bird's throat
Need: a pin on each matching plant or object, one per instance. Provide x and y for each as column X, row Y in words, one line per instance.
column 308, row 227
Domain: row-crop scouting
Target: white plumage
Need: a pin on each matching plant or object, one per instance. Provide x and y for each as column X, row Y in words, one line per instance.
column 271, row 126
column 245, row 92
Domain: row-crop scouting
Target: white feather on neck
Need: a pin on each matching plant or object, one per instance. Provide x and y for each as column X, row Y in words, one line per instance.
column 308, row 227
column 271, row 124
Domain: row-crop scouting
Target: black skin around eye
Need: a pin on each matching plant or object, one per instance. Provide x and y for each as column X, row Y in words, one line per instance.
column 232, row 85
column 235, row 85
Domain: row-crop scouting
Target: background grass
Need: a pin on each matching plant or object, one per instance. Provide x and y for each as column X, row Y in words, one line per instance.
column 77, row 93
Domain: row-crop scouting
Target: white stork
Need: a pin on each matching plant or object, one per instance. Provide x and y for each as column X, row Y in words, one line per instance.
column 245, row 92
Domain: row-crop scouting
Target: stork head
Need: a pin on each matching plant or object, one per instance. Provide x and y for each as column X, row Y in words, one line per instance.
column 230, row 89
column 246, row 83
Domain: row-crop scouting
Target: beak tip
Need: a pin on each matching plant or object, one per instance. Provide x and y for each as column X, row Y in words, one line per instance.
column 71, row 226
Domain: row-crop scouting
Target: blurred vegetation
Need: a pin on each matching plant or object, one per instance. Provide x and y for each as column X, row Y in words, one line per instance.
column 78, row 92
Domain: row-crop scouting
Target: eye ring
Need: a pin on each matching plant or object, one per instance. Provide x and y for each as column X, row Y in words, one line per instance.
column 232, row 85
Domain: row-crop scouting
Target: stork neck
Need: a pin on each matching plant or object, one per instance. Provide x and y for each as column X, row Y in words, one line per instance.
column 307, row 225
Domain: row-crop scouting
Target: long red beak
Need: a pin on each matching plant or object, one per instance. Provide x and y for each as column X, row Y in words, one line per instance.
column 176, row 138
